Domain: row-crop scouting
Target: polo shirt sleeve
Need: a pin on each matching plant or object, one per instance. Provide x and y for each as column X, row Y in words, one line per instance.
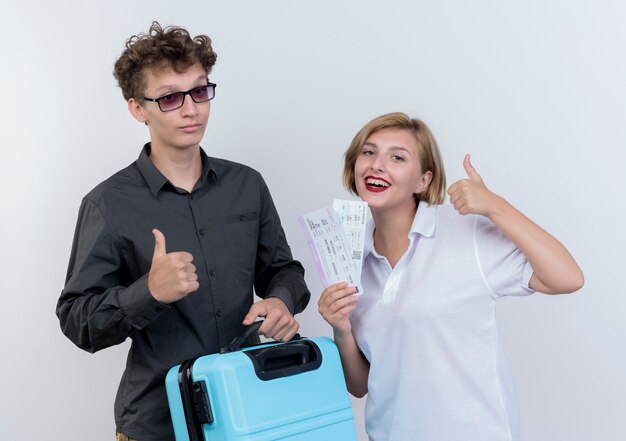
column 504, row 268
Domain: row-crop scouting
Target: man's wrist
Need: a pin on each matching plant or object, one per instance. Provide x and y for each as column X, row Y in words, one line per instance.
column 283, row 295
column 139, row 304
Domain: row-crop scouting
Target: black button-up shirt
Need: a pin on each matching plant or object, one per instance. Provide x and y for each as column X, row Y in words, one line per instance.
column 230, row 226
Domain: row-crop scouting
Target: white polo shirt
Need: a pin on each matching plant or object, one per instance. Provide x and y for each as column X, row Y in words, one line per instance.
column 428, row 329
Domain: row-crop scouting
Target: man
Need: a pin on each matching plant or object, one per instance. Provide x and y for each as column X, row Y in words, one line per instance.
column 167, row 250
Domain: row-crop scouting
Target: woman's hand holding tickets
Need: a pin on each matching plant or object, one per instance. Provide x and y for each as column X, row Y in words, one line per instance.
column 172, row 275
column 335, row 305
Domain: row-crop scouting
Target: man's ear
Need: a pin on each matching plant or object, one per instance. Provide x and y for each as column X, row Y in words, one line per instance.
column 137, row 110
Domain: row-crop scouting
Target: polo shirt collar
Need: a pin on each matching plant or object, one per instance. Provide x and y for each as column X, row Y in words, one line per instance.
column 155, row 178
column 425, row 220
column 423, row 224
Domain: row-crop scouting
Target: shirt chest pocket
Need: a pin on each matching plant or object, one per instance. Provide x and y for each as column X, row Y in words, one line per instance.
column 234, row 238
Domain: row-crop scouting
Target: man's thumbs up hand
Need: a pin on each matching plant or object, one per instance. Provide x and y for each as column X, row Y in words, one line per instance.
column 172, row 275
column 159, row 244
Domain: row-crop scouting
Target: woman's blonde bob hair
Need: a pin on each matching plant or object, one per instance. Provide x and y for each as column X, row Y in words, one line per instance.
column 428, row 152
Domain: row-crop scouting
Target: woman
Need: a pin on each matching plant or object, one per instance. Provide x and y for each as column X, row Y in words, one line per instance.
column 422, row 340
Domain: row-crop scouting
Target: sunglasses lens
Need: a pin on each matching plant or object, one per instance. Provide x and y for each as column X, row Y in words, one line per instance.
column 171, row 101
column 201, row 94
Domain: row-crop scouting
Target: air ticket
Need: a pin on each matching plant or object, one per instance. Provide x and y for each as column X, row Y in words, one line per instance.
column 332, row 250
column 353, row 219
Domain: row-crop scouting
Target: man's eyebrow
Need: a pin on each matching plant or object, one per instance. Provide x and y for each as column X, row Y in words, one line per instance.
column 166, row 88
column 175, row 88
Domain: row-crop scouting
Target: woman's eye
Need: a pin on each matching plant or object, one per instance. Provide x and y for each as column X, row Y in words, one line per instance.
column 368, row 152
column 397, row 158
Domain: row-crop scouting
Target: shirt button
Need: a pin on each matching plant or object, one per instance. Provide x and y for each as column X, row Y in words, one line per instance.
column 219, row 313
column 212, row 273
column 242, row 218
column 201, row 232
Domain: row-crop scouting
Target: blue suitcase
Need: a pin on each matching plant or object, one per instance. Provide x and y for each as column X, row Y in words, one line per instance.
column 293, row 391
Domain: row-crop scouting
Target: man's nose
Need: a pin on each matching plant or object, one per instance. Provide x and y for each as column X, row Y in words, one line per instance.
column 189, row 107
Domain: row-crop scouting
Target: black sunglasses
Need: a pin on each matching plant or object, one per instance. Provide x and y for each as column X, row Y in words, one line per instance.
column 176, row 100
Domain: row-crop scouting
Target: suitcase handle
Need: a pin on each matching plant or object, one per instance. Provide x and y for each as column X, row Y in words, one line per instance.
column 286, row 359
column 238, row 342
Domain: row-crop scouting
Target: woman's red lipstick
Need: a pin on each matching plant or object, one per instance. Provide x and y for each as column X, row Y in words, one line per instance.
column 376, row 184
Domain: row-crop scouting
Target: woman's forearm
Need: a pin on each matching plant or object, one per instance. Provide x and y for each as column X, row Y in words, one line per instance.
column 355, row 366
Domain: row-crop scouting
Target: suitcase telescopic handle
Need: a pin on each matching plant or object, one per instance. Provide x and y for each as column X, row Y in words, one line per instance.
column 239, row 342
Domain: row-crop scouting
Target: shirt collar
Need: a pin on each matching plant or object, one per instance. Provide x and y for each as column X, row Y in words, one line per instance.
column 425, row 220
column 423, row 224
column 155, row 178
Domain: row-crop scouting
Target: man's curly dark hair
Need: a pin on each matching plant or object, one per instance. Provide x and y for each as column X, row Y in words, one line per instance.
column 161, row 48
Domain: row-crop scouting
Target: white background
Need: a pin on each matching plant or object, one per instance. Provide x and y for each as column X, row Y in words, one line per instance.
column 534, row 90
